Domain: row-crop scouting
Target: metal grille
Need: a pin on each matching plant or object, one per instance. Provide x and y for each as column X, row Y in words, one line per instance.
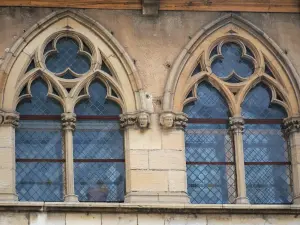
column 67, row 56
column 210, row 164
column 267, row 164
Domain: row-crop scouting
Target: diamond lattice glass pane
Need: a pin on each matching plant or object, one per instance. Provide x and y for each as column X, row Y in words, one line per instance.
column 269, row 184
column 207, row 183
column 98, row 140
column 39, row 140
column 68, row 56
column 232, row 60
column 211, row 184
column 97, row 104
column 39, row 181
column 264, row 143
column 257, row 105
column 100, row 181
column 39, row 103
column 210, row 104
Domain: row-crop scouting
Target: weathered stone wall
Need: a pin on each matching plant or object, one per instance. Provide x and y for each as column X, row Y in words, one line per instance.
column 154, row 43
column 142, row 219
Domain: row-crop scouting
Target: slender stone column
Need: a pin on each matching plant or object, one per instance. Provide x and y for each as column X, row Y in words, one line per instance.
column 237, row 128
column 292, row 131
column 68, row 125
column 8, row 122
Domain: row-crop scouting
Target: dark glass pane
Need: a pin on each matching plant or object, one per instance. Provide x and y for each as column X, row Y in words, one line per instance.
column 100, row 181
column 197, row 69
column 31, row 66
column 67, row 56
column 257, row 105
column 49, row 47
column 232, row 61
column 39, row 104
column 214, row 52
column 95, row 139
column 105, row 68
column 210, row 104
column 39, row 140
column 269, row 184
column 97, row 104
column 210, row 184
column 268, row 71
column 39, row 181
column 234, row 79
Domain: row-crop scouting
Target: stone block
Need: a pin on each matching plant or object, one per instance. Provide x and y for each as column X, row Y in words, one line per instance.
column 14, row 218
column 250, row 220
column 167, row 160
column 151, row 219
column 219, row 220
column 185, row 219
column 138, row 159
column 173, row 140
column 83, row 218
column 47, row 219
column 177, row 181
column 119, row 219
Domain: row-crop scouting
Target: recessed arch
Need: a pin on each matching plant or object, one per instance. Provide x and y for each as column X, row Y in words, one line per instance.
column 261, row 47
column 96, row 40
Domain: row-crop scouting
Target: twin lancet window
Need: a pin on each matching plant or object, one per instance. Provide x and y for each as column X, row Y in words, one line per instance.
column 43, row 144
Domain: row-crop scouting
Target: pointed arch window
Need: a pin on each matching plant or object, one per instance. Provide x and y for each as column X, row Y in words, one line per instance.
column 98, row 148
column 39, row 154
column 266, row 151
column 209, row 150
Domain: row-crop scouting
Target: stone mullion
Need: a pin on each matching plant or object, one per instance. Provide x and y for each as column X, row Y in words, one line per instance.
column 292, row 132
column 237, row 128
column 8, row 122
column 68, row 126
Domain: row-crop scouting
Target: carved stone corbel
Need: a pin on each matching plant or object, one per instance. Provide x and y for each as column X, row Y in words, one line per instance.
column 291, row 125
column 68, row 121
column 236, row 124
column 169, row 119
column 139, row 119
column 9, row 118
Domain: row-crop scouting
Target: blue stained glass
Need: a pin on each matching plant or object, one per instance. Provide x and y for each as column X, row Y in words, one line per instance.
column 68, row 56
column 232, row 60
column 39, row 181
column 257, row 105
column 210, row 104
column 97, row 104
column 39, row 104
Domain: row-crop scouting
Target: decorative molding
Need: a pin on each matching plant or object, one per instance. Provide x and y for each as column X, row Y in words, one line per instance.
column 291, row 125
column 138, row 119
column 236, row 124
column 150, row 7
column 68, row 121
column 9, row 118
column 169, row 119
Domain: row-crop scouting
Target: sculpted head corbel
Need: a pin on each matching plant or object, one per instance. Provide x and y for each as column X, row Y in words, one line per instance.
column 169, row 119
column 139, row 119
column 9, row 118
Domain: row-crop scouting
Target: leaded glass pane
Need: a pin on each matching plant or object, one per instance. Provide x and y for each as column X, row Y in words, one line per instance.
column 257, row 105
column 210, row 104
column 97, row 104
column 67, row 56
column 39, row 103
column 232, row 61
column 210, row 164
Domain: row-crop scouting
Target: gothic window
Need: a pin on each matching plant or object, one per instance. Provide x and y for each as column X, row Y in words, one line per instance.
column 39, row 154
column 98, row 148
column 266, row 152
column 209, row 153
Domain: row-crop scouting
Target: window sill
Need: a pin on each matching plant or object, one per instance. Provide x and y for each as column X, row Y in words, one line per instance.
column 147, row 208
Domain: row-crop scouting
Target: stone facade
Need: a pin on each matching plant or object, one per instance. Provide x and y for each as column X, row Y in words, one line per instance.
column 149, row 54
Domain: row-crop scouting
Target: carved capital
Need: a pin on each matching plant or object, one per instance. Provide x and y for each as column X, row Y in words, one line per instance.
column 236, row 124
column 169, row 119
column 138, row 119
column 9, row 118
column 68, row 121
column 291, row 125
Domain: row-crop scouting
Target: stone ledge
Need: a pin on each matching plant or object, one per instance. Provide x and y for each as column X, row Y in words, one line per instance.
column 148, row 208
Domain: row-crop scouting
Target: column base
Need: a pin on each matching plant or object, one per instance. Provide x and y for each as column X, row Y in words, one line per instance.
column 242, row 200
column 8, row 197
column 157, row 197
column 71, row 198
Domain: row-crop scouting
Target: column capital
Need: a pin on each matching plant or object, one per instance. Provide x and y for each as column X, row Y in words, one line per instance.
column 236, row 124
column 140, row 119
column 291, row 125
column 170, row 119
column 9, row 118
column 68, row 121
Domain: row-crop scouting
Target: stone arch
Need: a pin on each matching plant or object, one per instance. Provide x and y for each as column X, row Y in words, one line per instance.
column 68, row 22
column 226, row 28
